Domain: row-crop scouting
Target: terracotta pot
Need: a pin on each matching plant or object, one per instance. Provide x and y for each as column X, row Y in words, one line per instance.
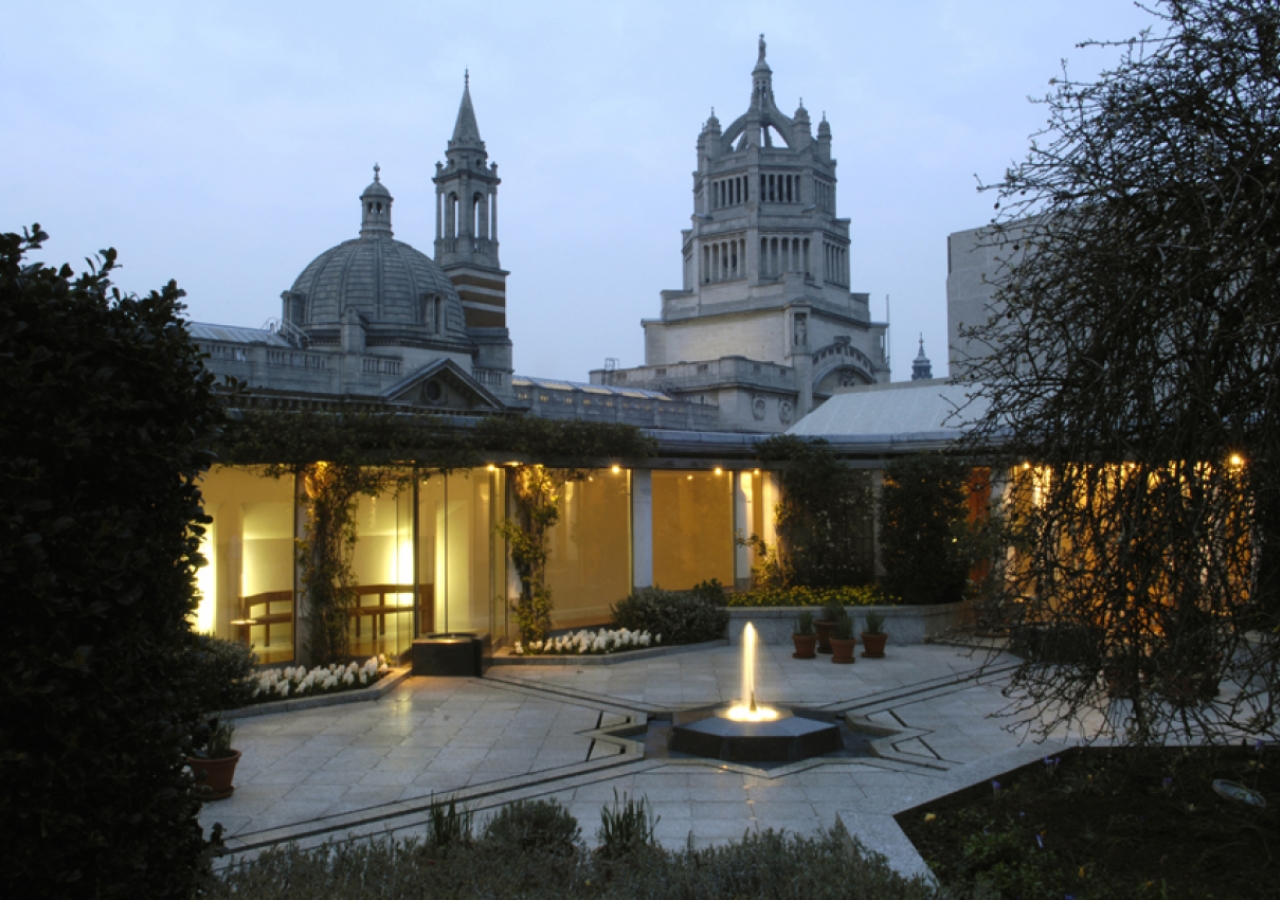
column 805, row 644
column 213, row 776
column 873, row 645
column 842, row 650
column 824, row 627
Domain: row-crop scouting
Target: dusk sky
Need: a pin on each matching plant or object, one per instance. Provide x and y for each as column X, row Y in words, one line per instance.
column 224, row 145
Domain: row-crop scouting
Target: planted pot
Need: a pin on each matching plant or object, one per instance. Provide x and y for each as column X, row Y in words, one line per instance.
column 824, row 627
column 873, row 644
column 842, row 649
column 806, row 645
column 214, row 776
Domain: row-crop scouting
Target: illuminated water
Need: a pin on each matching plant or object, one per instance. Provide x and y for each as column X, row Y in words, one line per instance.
column 747, row 709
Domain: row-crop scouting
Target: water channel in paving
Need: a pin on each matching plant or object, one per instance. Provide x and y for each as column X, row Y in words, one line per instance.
column 919, row 721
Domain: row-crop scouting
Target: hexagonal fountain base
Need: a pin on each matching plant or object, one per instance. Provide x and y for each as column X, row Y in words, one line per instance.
column 795, row 735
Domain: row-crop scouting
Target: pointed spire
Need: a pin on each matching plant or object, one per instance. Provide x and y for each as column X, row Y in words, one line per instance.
column 465, row 131
column 921, row 368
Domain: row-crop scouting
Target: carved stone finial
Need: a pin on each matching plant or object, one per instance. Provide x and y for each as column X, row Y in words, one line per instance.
column 376, row 170
column 761, row 48
column 466, row 78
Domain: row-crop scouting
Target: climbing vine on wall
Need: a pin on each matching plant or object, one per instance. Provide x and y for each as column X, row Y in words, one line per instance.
column 536, row 491
column 824, row 518
column 330, row 492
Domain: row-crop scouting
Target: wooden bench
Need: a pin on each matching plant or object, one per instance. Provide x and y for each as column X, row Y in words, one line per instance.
column 382, row 609
column 267, row 617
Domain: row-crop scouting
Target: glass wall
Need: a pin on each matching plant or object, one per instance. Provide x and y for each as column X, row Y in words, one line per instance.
column 589, row 566
column 382, row 562
column 247, row 584
column 692, row 528
column 456, row 546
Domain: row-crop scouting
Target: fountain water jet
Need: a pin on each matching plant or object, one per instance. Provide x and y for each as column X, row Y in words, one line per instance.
column 746, row 709
column 749, row 732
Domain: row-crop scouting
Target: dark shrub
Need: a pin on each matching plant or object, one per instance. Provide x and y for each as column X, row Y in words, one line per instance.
column 679, row 617
column 712, row 591
column 449, row 826
column 221, row 670
column 824, row 517
column 923, row 534
column 105, row 411
column 626, row 827
column 535, row 826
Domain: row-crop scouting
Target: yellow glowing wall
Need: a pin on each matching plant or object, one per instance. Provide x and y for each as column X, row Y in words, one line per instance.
column 692, row 528
column 589, row 566
column 249, row 552
column 455, row 540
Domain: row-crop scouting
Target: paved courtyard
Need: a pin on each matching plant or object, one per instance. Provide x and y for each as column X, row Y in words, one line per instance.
column 570, row 732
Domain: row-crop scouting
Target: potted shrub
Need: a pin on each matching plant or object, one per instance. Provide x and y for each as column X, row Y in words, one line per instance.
column 831, row 611
column 214, row 763
column 843, row 643
column 873, row 636
column 805, row 640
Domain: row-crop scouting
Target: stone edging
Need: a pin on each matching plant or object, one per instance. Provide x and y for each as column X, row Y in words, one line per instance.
column 505, row 657
column 373, row 692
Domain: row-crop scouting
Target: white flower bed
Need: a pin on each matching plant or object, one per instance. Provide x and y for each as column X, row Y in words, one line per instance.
column 296, row 681
column 590, row 642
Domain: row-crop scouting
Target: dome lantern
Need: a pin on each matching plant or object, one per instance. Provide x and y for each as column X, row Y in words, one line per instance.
column 375, row 208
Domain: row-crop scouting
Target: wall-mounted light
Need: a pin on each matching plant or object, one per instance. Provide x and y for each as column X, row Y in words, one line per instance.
column 719, row 471
column 616, row 469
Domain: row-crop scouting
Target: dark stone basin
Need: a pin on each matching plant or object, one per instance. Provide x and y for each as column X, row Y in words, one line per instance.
column 795, row 735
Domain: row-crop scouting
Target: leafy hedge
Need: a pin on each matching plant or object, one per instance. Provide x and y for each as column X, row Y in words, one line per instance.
column 680, row 617
column 856, row 595
column 106, row 414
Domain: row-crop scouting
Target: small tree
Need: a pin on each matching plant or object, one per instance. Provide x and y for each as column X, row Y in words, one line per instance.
column 1131, row 363
column 105, row 414
column 923, row 539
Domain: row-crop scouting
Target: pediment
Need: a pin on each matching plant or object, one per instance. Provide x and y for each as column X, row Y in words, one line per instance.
column 443, row 385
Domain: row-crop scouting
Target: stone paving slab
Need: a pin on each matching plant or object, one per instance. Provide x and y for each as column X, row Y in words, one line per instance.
column 561, row 731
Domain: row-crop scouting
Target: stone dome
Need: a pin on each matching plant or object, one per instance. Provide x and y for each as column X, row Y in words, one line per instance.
column 402, row 296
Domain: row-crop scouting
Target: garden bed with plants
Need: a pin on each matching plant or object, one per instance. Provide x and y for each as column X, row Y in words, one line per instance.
column 535, row 849
column 854, row 595
column 589, row 643
column 1110, row 823
column 649, row 622
column 298, row 681
column 905, row 625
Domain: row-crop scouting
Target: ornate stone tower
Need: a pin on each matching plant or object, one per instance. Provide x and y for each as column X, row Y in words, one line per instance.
column 467, row 236
column 765, row 302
